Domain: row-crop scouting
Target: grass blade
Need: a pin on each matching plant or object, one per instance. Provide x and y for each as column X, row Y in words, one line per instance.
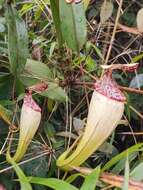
column 56, row 184
column 24, row 183
column 91, row 180
column 122, row 155
column 126, row 177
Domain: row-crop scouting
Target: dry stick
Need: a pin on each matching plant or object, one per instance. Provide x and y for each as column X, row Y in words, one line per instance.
column 131, row 130
column 129, row 29
column 90, row 75
column 132, row 90
column 114, row 32
column 137, row 112
column 118, row 181
column 117, row 1
column 38, row 3
column 47, row 8
column 3, row 146
column 112, row 179
column 11, row 129
column 70, row 127
column 108, row 188
column 23, row 162
column 85, row 87
column 127, row 89
column 130, row 133
column 67, row 119
column 107, row 38
column 78, row 106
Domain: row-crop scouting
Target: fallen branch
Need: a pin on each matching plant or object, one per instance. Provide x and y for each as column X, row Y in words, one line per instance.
column 111, row 179
column 129, row 29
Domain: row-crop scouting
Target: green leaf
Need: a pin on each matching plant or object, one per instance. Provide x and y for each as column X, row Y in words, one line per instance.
column 1, row 2
column 37, row 70
column 28, row 80
column 4, row 77
column 24, row 183
column 91, row 180
column 122, row 155
column 73, row 24
column 6, row 114
column 56, row 18
column 72, row 177
column 6, row 85
column 49, row 130
column 55, row 92
column 37, row 167
column 126, row 176
column 137, row 173
column 17, row 40
column 97, row 50
column 26, row 8
column 91, row 65
column 137, row 58
column 53, row 183
column 121, row 164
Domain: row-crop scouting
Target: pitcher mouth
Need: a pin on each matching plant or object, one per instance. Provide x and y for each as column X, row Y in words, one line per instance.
column 29, row 102
column 109, row 88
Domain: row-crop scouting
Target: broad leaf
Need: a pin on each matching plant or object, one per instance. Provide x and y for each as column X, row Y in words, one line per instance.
column 56, row 18
column 37, row 70
column 1, row 2
column 6, row 85
column 122, row 155
column 53, row 183
column 17, row 40
column 119, row 167
column 25, row 185
column 78, row 125
column 4, row 77
column 137, row 173
column 73, row 24
column 55, row 92
column 106, row 11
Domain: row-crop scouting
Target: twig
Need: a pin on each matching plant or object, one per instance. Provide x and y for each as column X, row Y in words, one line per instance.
column 137, row 112
column 112, row 179
column 132, row 90
column 114, row 32
column 129, row 29
column 127, row 89
column 118, row 181
column 25, row 161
